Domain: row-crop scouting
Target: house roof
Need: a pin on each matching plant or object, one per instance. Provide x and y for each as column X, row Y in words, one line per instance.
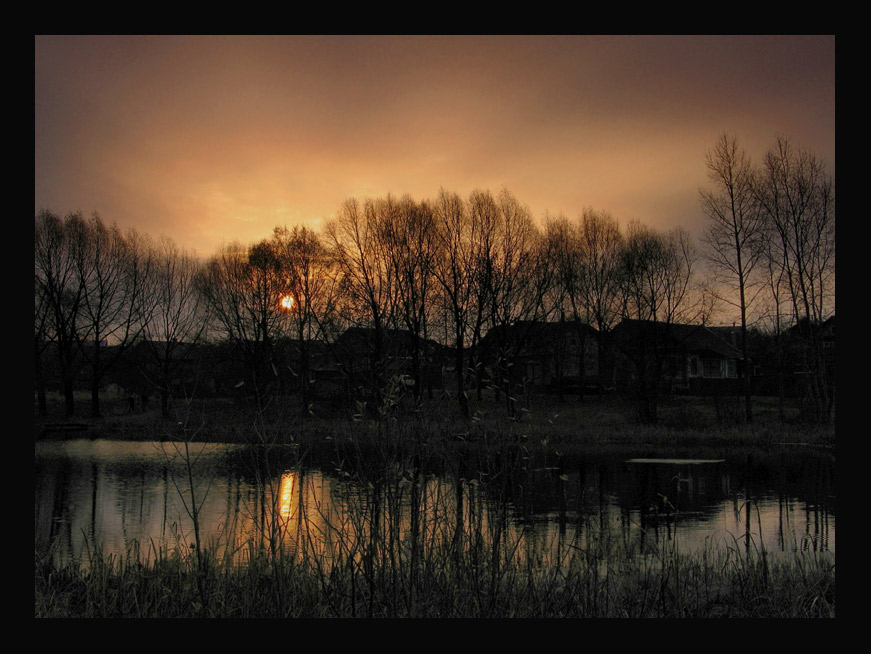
column 693, row 338
column 539, row 329
column 801, row 327
column 359, row 340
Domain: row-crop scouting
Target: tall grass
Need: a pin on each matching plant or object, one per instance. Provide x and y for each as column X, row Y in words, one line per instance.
column 479, row 579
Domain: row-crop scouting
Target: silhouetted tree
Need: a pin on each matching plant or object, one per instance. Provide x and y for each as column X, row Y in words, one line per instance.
column 796, row 195
column 242, row 288
column 115, row 271
column 408, row 233
column 42, row 335
column 91, row 287
column 177, row 317
column 656, row 275
column 309, row 279
column 59, row 247
column 516, row 280
column 733, row 235
column 356, row 239
column 455, row 271
column 586, row 260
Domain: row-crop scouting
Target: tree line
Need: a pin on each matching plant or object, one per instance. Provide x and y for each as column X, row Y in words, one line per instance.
column 770, row 240
column 449, row 269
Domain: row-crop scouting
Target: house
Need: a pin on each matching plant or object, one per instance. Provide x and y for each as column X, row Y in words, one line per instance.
column 680, row 358
column 729, row 333
column 827, row 333
column 181, row 368
column 808, row 352
column 356, row 352
column 553, row 355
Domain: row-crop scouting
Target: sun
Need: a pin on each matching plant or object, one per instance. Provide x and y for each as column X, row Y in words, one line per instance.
column 287, row 302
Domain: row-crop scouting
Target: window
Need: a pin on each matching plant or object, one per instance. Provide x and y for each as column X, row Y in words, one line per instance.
column 712, row 367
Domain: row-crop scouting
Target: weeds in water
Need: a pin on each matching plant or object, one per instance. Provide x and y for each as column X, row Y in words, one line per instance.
column 434, row 534
column 444, row 582
column 415, row 545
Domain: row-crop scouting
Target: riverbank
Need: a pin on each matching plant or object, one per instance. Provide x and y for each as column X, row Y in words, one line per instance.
column 594, row 419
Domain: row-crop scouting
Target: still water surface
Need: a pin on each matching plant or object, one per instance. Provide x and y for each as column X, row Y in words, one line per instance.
column 116, row 496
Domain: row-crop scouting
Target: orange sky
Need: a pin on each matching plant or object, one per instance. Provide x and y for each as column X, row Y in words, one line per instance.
column 213, row 139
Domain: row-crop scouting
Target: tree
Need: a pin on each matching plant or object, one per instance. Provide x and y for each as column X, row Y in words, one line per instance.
column 796, row 195
column 115, row 271
column 176, row 317
column 484, row 226
column 733, row 234
column 355, row 237
column 41, row 336
column 242, row 288
column 408, row 234
column 90, row 287
column 515, row 282
column 455, row 272
column 586, row 259
column 307, row 272
column 58, row 247
column 656, row 276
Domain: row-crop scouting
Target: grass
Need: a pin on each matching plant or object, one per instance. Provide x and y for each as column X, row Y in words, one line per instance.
column 591, row 420
column 602, row 580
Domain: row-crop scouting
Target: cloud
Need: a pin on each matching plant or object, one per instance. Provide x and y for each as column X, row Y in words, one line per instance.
column 207, row 139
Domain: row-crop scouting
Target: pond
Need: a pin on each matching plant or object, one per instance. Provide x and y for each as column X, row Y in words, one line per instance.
column 120, row 498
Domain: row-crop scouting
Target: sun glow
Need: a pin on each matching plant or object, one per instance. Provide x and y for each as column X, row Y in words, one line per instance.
column 286, row 496
column 287, row 302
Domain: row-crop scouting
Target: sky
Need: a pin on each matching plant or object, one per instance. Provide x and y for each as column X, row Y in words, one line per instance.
column 214, row 139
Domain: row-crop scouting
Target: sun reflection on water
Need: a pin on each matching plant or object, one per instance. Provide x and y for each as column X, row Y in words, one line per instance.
column 286, row 508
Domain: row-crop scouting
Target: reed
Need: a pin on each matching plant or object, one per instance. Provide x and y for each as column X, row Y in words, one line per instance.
column 385, row 580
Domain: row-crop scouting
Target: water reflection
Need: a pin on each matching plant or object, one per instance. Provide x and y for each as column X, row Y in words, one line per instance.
column 142, row 497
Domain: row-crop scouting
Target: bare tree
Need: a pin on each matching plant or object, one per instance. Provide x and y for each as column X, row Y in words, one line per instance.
column 656, row 278
column 602, row 243
column 41, row 338
column 59, row 246
column 408, row 233
column 176, row 317
column 92, row 279
column 55, row 303
column 484, row 223
column 586, row 257
column 774, row 276
column 455, row 273
column 797, row 197
column 308, row 297
column 115, row 274
column 242, row 288
column 355, row 237
column 516, row 281
column 733, row 235
column 656, row 274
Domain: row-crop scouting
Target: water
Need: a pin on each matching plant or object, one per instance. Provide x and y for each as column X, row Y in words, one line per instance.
column 123, row 497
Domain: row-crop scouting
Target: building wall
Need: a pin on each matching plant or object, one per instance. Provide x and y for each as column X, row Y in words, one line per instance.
column 711, row 367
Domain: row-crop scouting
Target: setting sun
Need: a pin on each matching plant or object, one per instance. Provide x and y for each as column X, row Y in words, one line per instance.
column 287, row 302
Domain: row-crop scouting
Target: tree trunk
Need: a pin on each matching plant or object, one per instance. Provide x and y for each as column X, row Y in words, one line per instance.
column 459, row 363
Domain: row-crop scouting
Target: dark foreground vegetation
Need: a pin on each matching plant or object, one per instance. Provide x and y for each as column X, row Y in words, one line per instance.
column 599, row 581
column 381, row 566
